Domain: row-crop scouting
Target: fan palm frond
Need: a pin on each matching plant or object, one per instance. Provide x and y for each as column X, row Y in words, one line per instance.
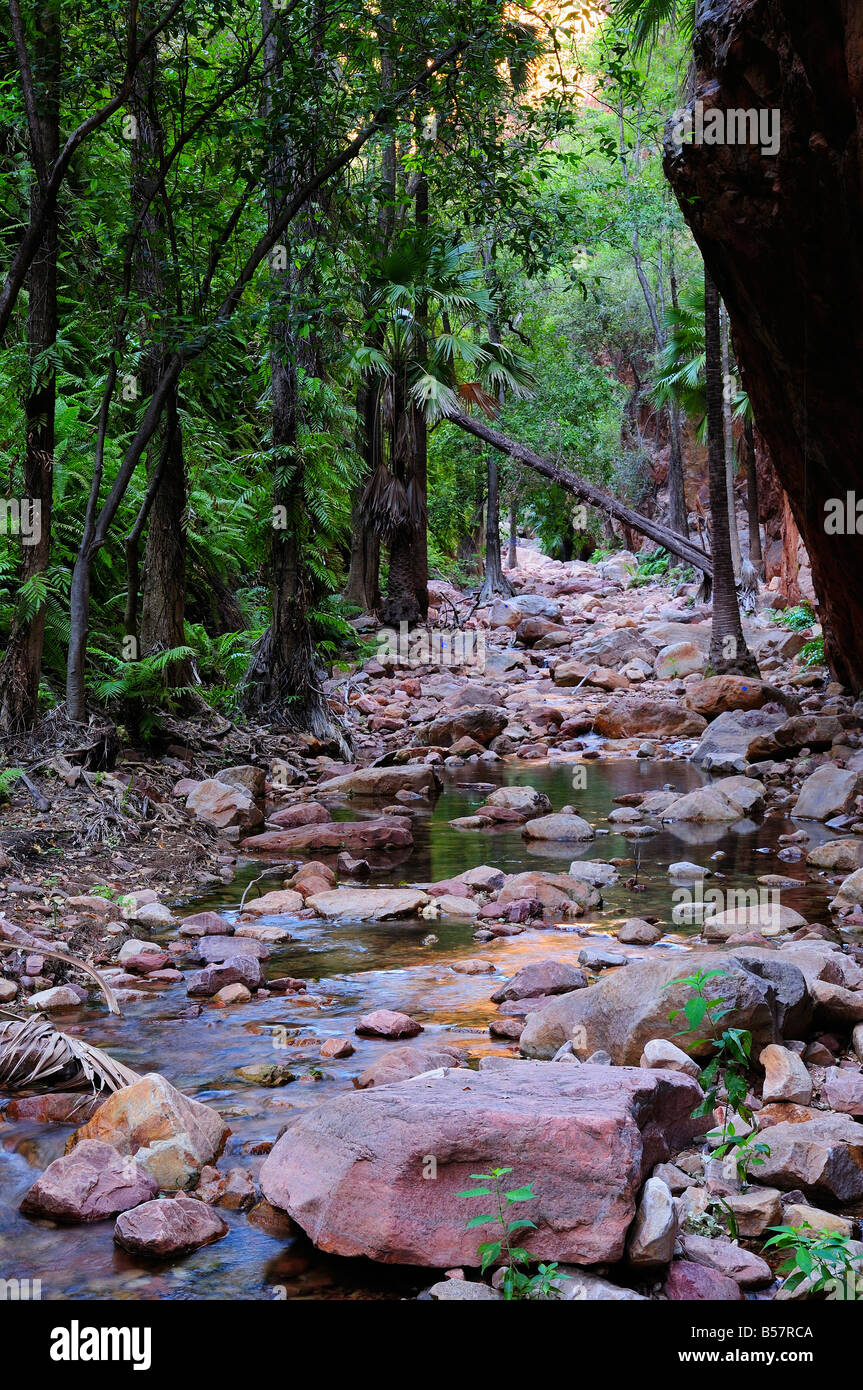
column 33, row 1052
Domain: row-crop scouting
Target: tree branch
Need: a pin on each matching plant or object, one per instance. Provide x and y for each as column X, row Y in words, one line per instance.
column 586, row 492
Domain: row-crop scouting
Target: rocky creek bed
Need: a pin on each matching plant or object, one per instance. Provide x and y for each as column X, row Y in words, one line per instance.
column 461, row 949
column 349, row 969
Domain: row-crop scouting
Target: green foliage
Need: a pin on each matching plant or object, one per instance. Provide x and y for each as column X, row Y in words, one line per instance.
column 812, row 654
column 527, row 238
column 797, row 619
column 138, row 689
column 517, row 1283
column 726, row 1071
column 8, row 777
column 823, row 1257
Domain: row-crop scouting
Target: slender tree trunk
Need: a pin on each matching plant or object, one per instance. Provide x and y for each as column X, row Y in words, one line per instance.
column 512, row 558
column 756, row 554
column 728, row 650
column 21, row 666
column 363, row 583
column 420, row 435
column 678, row 512
column 728, row 438
column 495, row 584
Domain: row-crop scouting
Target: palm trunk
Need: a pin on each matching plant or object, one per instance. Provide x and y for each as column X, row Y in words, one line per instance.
column 21, row 666
column 728, row 650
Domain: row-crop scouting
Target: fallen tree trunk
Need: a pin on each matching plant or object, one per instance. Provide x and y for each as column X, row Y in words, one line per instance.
column 586, row 492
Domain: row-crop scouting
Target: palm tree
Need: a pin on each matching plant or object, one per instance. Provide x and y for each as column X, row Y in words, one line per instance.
column 648, row 17
column 425, row 296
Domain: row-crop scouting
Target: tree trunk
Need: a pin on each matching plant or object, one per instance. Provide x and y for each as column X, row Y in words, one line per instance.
column 756, row 556
column 363, row 582
column 420, row 432
column 286, row 679
column 22, row 661
column 678, row 512
column 728, row 439
column 495, row 585
column 163, row 596
column 512, row 558
column 587, row 492
column 728, row 650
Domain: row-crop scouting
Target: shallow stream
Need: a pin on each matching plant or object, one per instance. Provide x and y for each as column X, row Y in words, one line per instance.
column 357, row 967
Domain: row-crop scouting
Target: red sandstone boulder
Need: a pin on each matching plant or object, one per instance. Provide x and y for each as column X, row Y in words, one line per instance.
column 91, row 1183
column 390, row 832
column 352, row 1172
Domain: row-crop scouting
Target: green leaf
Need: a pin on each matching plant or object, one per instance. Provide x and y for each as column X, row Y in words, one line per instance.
column 522, row 1225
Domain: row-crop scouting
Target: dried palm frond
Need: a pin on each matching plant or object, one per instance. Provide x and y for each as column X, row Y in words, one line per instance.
column 385, row 503
column 473, row 393
column 110, row 997
column 33, row 1052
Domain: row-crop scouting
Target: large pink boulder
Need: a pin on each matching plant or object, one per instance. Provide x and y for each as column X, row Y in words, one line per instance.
column 390, row 832
column 354, row 1172
column 89, row 1184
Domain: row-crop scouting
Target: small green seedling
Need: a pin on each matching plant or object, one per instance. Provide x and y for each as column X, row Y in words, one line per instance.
column 516, row 1283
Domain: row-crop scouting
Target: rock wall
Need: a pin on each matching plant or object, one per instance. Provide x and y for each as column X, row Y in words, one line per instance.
column 783, row 237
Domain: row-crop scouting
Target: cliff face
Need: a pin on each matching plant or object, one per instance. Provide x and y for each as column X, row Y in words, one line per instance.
column 783, row 237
